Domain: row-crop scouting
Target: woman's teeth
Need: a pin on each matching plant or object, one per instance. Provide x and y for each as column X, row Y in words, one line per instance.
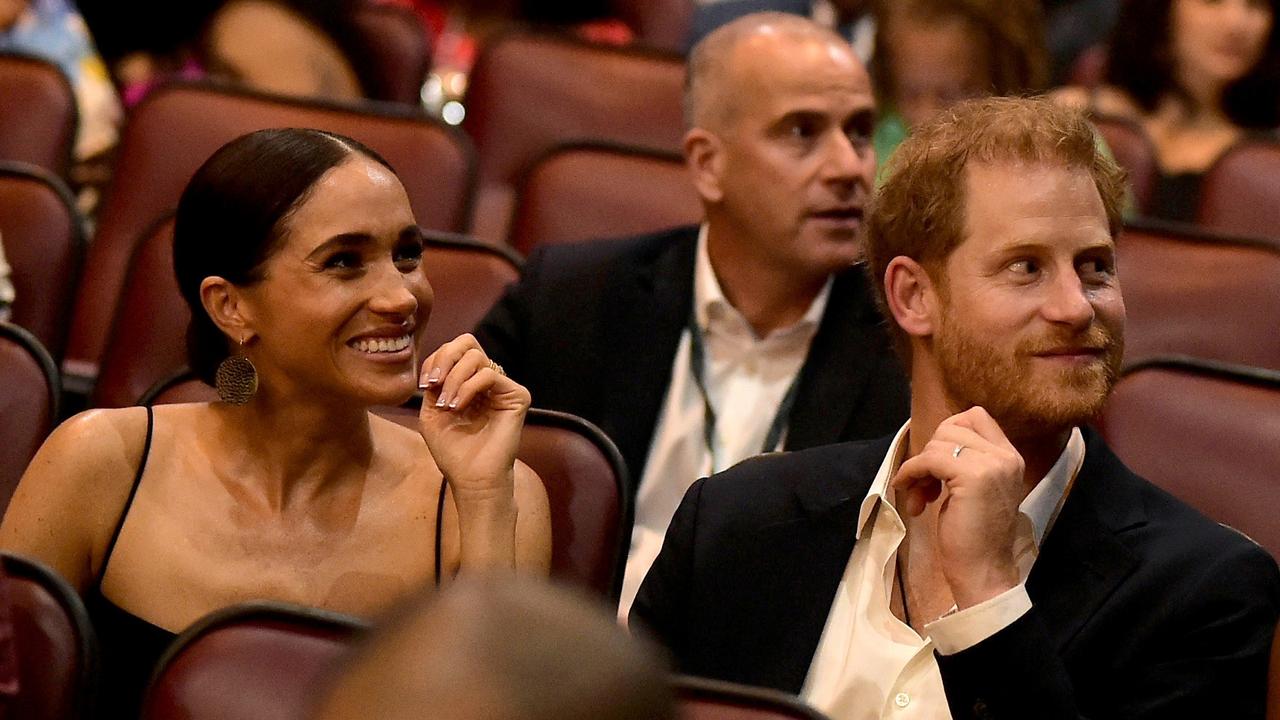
column 382, row 345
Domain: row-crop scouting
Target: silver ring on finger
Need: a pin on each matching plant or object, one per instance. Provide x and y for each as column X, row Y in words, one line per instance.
column 956, row 453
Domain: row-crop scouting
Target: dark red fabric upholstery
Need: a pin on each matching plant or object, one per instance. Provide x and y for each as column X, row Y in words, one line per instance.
column 1199, row 295
column 582, row 192
column 1241, row 191
column 397, row 49
column 148, row 339
column 1207, row 435
column 57, row 654
column 38, row 117
column 258, row 661
column 1134, row 152
column 701, row 699
column 28, row 403
column 663, row 24
column 44, row 243
column 176, row 128
column 528, row 93
column 467, row 278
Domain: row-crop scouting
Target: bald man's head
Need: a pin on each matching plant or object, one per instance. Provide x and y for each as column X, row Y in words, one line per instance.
column 717, row 73
column 502, row 650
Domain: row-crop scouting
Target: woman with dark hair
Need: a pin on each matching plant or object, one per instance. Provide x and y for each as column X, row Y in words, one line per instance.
column 931, row 54
column 1198, row 75
column 300, row 258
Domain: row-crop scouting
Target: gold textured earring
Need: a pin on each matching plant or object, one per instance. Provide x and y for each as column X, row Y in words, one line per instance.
column 236, row 378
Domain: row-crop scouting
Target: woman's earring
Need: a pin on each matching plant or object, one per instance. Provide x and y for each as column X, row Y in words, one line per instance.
column 236, row 379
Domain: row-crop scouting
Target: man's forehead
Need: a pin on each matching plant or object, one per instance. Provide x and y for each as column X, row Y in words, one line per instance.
column 770, row 57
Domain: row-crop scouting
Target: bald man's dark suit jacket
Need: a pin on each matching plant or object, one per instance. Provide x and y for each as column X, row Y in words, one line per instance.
column 592, row 329
column 1142, row 608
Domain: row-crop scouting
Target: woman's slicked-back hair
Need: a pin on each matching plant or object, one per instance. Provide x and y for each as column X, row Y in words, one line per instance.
column 233, row 213
column 1141, row 62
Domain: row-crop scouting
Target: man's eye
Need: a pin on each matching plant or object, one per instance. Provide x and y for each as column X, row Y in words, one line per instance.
column 342, row 261
column 802, row 130
column 1024, row 267
column 1097, row 269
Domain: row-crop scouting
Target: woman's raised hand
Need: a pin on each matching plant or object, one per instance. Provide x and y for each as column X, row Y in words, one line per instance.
column 472, row 416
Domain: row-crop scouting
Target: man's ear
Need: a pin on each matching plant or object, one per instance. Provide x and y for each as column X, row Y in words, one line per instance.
column 703, row 154
column 227, row 307
column 912, row 297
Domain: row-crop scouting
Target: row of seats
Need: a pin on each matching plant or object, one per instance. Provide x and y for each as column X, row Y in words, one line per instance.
column 256, row 661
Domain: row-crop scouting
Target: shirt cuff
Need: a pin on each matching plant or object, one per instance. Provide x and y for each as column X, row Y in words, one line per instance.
column 963, row 629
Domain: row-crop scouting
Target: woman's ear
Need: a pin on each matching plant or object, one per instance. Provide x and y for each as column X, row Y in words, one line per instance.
column 227, row 307
column 912, row 297
column 704, row 157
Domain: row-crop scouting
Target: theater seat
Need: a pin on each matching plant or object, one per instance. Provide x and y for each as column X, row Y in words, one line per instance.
column 596, row 190
column 57, row 651
column 256, row 661
column 29, row 391
column 171, row 133
column 38, row 117
column 467, row 278
column 43, row 240
column 1207, row 433
column 530, row 92
column 1241, row 191
column 1193, row 293
column 703, row 699
column 397, row 49
column 1134, row 152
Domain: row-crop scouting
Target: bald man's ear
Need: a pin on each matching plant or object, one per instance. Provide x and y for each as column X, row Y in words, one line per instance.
column 704, row 155
column 912, row 297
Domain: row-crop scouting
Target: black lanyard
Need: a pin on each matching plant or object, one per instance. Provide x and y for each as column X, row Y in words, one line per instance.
column 697, row 361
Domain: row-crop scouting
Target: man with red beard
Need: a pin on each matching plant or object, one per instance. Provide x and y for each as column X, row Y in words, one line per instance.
column 993, row 559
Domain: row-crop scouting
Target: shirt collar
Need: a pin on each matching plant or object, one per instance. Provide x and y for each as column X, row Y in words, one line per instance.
column 1040, row 506
column 707, row 294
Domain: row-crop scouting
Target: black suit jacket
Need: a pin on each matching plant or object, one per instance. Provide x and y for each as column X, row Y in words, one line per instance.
column 592, row 329
column 1142, row 608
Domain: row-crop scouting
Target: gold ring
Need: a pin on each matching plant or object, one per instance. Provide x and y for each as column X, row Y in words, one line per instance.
column 496, row 368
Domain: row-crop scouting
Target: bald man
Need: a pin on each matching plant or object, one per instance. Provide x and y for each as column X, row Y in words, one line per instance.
column 492, row 649
column 701, row 346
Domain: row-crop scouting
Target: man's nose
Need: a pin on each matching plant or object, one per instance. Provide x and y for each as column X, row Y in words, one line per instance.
column 847, row 159
column 1068, row 301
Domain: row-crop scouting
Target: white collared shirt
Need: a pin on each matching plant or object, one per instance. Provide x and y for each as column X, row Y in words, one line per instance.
column 746, row 378
column 869, row 664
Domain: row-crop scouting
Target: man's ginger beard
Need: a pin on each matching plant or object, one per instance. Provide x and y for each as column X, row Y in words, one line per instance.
column 1027, row 402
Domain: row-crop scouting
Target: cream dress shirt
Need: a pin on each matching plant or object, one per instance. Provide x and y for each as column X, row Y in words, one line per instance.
column 746, row 378
column 869, row 664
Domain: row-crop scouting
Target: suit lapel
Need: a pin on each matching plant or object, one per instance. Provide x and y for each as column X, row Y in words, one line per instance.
column 801, row 562
column 843, row 358
column 1083, row 559
column 643, row 327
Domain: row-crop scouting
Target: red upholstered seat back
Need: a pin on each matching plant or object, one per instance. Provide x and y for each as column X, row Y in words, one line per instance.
column 1206, row 434
column 178, row 127
column 1199, row 295
column 397, row 48
column 44, row 244
column 1241, row 191
column 28, row 403
column 57, row 653
column 258, row 661
column 528, row 93
column 37, row 113
column 583, row 192
column 467, row 278
column 1133, row 151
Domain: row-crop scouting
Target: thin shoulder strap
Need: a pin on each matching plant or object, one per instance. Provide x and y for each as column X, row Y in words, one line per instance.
column 444, row 484
column 133, row 491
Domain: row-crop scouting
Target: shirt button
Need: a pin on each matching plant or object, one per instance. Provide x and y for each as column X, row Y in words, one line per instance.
column 902, row 700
